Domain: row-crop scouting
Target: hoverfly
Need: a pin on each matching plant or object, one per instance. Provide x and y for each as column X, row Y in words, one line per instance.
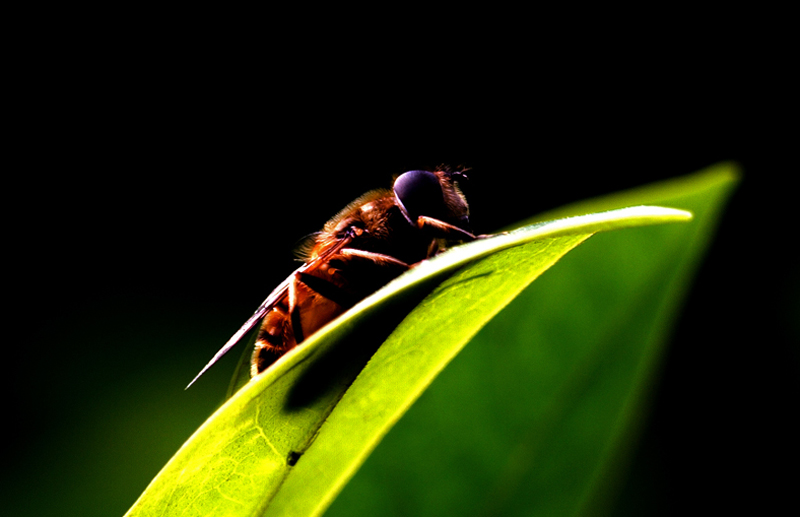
column 370, row 242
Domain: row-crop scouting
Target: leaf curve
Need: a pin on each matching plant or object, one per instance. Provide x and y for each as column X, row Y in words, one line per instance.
column 265, row 449
column 541, row 413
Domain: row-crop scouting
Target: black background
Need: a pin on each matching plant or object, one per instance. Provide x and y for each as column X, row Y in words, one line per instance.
column 183, row 178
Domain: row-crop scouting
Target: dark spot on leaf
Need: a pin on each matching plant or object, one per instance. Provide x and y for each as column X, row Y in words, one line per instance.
column 293, row 457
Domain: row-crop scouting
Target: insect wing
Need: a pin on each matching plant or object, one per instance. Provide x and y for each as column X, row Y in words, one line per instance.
column 278, row 294
column 275, row 296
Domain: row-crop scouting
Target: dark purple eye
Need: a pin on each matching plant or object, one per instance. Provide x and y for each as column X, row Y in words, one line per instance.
column 420, row 193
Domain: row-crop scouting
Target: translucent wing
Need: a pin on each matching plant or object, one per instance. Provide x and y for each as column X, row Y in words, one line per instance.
column 278, row 294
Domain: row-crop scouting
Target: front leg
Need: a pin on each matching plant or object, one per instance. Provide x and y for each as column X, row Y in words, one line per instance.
column 443, row 229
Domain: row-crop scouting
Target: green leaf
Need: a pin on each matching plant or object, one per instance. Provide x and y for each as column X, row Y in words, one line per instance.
column 287, row 442
column 538, row 415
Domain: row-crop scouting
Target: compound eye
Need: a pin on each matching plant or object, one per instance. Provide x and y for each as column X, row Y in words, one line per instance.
column 420, row 193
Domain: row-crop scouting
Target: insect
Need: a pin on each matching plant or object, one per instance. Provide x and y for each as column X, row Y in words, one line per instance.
column 370, row 242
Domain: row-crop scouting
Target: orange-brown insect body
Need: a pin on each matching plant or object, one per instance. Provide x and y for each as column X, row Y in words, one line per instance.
column 370, row 242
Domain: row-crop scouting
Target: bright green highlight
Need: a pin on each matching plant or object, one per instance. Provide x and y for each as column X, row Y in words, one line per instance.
column 327, row 404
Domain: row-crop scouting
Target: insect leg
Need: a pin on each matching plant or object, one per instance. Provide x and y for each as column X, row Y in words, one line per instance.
column 443, row 229
column 377, row 258
column 314, row 298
